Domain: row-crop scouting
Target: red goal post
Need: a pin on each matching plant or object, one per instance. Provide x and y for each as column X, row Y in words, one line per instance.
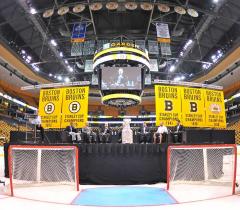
column 185, row 161
column 38, row 164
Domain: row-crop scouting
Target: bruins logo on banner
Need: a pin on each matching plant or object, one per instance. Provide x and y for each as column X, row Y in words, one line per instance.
column 50, row 107
column 193, row 110
column 75, row 106
column 168, row 104
column 215, row 109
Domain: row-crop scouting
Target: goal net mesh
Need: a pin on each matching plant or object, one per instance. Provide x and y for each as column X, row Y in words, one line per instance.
column 196, row 167
column 43, row 166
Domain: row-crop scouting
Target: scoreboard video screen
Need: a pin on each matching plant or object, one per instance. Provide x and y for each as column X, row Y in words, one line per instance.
column 114, row 78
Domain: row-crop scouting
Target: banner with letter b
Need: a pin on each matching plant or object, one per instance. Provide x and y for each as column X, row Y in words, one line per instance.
column 61, row 106
column 195, row 107
column 75, row 106
column 168, row 108
column 50, row 104
column 193, row 111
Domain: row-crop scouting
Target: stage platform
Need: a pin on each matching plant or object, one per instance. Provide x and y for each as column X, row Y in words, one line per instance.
column 189, row 136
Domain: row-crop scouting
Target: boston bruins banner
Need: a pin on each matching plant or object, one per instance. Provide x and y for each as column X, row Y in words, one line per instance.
column 75, row 106
column 168, row 104
column 215, row 109
column 50, row 103
column 195, row 107
column 193, row 110
column 58, row 107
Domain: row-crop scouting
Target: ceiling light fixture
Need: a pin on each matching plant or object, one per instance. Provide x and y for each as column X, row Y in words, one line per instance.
column 192, row 12
column 59, row 78
column 78, row 8
column 53, row 42
column 206, row 66
column 163, row 8
column 172, row 68
column 146, row 6
column 177, row 79
column 23, row 51
column 67, row 79
column 48, row 13
column 95, row 6
column 180, row 10
column 63, row 10
column 33, row 11
column 188, row 43
column 50, row 75
column 61, row 54
column 112, row 5
column 66, row 61
column 36, row 68
column 131, row 5
column 70, row 68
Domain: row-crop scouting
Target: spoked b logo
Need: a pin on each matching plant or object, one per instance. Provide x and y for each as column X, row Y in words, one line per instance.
column 74, row 107
column 49, row 108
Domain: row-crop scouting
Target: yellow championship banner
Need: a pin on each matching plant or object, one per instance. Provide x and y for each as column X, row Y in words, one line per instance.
column 75, row 106
column 50, row 102
column 168, row 104
column 193, row 110
column 215, row 109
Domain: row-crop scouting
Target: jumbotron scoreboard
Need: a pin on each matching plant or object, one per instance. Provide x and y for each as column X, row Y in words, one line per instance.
column 121, row 68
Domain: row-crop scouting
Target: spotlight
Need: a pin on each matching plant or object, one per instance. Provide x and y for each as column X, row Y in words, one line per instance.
column 172, row 68
column 36, row 68
column 177, row 79
column 53, row 42
column 67, row 79
column 182, row 77
column 33, row 11
column 70, row 68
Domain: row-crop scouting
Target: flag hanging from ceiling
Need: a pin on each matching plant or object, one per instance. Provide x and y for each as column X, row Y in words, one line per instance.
column 165, row 48
column 163, row 34
column 79, row 32
column 163, row 37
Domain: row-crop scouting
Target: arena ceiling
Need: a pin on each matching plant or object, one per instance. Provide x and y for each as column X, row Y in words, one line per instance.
column 197, row 43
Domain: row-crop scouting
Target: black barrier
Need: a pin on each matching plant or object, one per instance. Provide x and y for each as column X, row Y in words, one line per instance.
column 202, row 136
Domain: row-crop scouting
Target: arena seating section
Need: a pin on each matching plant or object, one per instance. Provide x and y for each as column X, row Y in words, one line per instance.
column 235, row 126
column 8, row 124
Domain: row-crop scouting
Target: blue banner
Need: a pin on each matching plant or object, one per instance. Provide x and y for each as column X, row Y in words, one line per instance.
column 78, row 32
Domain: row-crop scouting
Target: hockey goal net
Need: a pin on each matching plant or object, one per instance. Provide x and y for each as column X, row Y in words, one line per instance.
column 42, row 167
column 208, row 170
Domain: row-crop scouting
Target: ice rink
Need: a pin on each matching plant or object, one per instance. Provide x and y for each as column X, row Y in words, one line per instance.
column 52, row 197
